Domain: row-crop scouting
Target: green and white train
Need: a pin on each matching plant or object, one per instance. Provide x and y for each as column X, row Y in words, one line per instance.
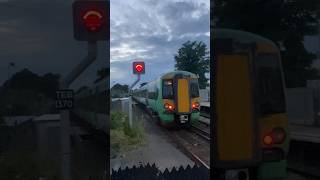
column 173, row 97
column 91, row 105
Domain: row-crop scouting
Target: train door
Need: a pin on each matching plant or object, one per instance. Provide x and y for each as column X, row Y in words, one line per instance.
column 183, row 96
column 182, row 99
column 235, row 124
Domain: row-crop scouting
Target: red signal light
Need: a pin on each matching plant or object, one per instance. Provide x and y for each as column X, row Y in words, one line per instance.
column 138, row 67
column 92, row 20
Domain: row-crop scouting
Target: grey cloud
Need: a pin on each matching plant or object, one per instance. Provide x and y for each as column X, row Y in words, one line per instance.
column 38, row 34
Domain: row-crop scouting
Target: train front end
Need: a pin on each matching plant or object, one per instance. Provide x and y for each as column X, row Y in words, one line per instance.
column 250, row 125
column 180, row 99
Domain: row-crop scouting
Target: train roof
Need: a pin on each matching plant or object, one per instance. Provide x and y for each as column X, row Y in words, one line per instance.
column 100, row 86
column 173, row 73
column 242, row 36
column 169, row 75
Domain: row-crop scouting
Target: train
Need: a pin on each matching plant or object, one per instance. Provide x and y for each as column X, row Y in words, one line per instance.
column 250, row 123
column 92, row 104
column 173, row 98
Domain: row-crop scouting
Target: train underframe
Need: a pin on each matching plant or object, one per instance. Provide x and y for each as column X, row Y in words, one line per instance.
column 178, row 120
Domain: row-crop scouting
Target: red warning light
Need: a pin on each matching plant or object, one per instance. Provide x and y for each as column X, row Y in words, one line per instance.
column 93, row 20
column 138, row 68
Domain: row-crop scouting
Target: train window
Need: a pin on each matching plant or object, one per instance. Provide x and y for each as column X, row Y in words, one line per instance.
column 151, row 91
column 194, row 88
column 156, row 93
column 144, row 93
column 167, row 89
column 270, row 84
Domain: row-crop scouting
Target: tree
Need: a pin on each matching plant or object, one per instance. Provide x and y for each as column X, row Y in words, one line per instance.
column 120, row 87
column 194, row 57
column 119, row 90
column 282, row 21
column 37, row 92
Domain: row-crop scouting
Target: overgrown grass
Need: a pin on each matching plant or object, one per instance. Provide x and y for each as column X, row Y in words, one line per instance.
column 122, row 137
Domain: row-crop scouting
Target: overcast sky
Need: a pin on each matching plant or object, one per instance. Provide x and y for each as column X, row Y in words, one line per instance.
column 153, row 31
column 38, row 35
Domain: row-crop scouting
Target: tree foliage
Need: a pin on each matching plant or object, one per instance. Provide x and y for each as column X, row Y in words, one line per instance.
column 194, row 57
column 119, row 90
column 285, row 22
column 27, row 80
column 36, row 91
column 120, row 87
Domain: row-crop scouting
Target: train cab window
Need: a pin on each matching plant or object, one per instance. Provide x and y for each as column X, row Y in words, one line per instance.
column 167, row 89
column 194, row 88
column 270, row 84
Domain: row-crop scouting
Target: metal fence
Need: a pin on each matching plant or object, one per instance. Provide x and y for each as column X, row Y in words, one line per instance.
column 300, row 106
column 303, row 104
column 151, row 172
column 121, row 105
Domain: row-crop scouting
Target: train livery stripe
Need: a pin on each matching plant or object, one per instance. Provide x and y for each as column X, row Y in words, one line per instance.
column 183, row 96
column 234, row 108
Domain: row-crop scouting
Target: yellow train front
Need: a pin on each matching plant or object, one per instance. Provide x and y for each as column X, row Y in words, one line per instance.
column 250, row 119
column 172, row 97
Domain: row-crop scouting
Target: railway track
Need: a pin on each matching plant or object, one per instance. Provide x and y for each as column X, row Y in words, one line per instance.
column 196, row 147
column 310, row 173
column 205, row 134
column 206, row 115
column 188, row 148
column 202, row 129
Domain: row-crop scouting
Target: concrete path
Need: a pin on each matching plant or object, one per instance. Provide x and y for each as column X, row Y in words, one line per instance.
column 158, row 150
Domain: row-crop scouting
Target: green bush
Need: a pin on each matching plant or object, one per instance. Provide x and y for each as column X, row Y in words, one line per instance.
column 122, row 136
column 136, row 131
column 117, row 119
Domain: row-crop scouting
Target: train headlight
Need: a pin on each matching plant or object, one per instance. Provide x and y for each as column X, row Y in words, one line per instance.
column 267, row 140
column 168, row 107
column 277, row 136
column 195, row 105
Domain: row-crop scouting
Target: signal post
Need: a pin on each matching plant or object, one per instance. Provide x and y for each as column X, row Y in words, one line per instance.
column 91, row 24
column 138, row 67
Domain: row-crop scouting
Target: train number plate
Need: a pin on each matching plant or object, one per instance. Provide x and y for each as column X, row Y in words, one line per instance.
column 183, row 118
